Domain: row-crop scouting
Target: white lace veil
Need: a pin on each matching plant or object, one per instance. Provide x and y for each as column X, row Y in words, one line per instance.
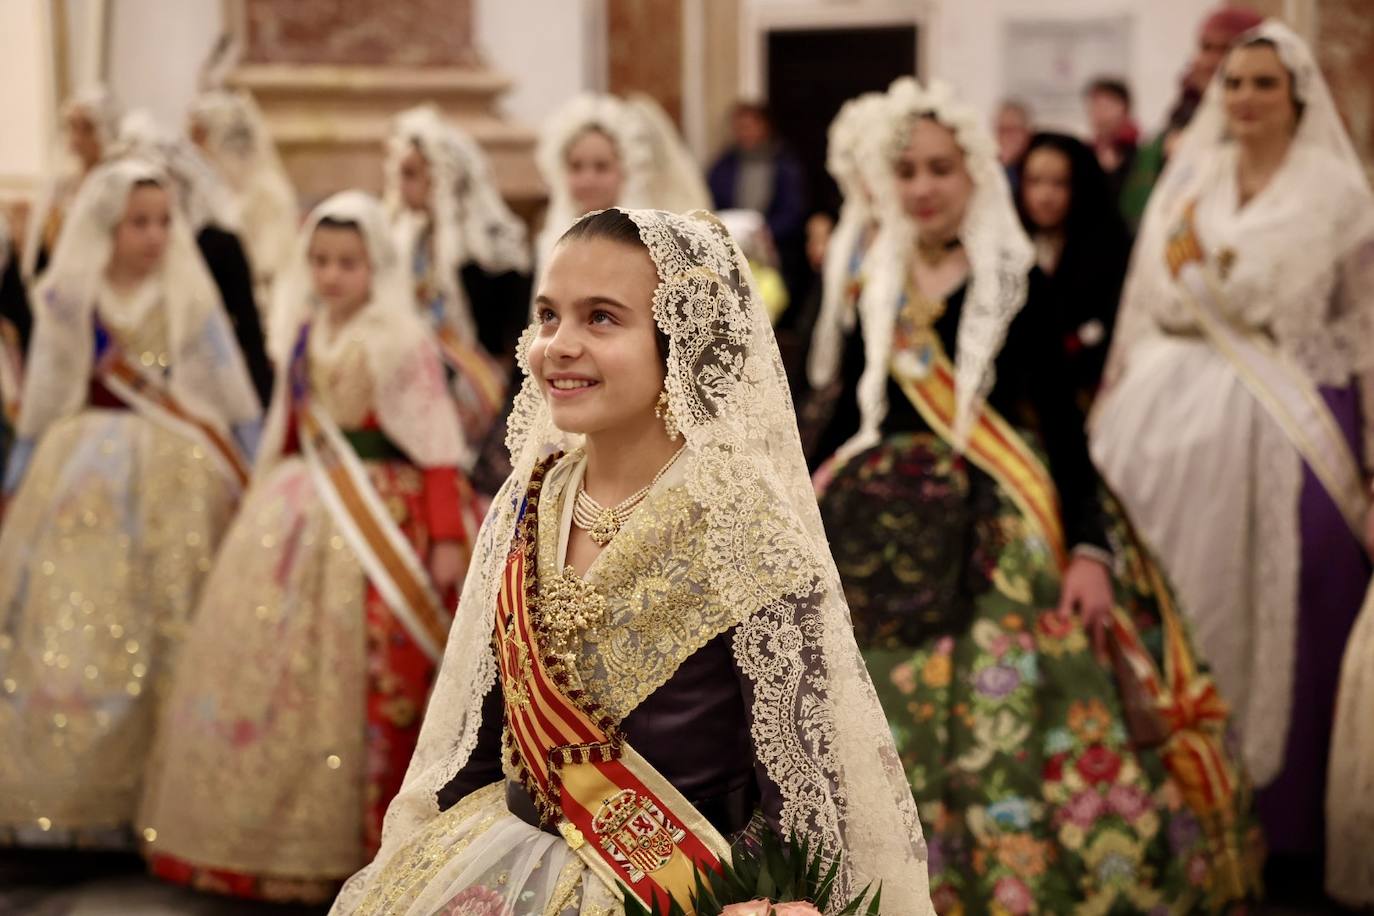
column 850, row 154
column 99, row 104
column 294, row 298
column 675, row 181
column 999, row 252
column 413, row 408
column 817, row 725
column 205, row 198
column 590, row 110
column 1322, row 179
column 208, row 374
column 471, row 221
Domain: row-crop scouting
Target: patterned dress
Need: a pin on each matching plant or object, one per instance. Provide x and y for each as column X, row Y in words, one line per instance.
column 1036, row 792
column 299, row 702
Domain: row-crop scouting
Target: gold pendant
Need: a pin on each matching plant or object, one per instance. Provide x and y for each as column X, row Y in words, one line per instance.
column 606, row 527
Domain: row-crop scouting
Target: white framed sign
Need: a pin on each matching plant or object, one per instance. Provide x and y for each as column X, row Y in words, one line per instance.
column 1048, row 62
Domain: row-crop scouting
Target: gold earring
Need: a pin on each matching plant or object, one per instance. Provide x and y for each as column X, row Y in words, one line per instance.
column 664, row 411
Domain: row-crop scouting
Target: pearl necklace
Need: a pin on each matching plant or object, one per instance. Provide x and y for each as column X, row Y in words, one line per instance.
column 602, row 523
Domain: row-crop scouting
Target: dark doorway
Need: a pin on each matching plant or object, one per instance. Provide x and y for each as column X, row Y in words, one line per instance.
column 812, row 72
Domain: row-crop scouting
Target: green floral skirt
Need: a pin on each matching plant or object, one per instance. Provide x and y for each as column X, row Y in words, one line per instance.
column 1033, row 797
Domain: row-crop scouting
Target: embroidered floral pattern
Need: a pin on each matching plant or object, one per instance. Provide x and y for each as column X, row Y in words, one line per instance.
column 1011, row 732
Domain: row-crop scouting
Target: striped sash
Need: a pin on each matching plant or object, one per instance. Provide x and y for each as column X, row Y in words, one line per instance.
column 622, row 818
column 479, row 385
column 993, row 445
column 1195, row 715
column 387, row 558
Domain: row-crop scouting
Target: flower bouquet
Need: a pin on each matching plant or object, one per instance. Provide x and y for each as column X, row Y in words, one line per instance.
column 770, row 878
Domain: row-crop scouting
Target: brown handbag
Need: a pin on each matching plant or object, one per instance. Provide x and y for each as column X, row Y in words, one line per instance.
column 1145, row 725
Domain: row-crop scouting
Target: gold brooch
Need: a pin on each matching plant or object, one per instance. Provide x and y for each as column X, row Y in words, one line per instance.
column 569, row 605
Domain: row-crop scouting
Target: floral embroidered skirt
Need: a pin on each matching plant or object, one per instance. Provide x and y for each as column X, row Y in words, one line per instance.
column 103, row 552
column 1033, row 796
column 296, row 705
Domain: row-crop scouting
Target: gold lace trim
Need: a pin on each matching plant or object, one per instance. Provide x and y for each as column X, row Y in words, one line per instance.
column 659, row 607
column 409, row 872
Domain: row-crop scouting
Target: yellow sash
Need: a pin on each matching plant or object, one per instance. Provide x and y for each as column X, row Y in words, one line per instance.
column 993, row 445
column 622, row 818
column 1195, row 752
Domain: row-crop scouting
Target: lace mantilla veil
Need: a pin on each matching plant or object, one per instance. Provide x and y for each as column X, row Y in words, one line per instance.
column 471, row 221
column 999, row 252
column 817, row 724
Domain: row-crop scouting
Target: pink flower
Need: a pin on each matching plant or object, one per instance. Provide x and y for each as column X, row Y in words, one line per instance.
column 752, row 908
column 764, row 908
column 1000, row 644
column 1013, row 894
column 1128, row 801
column 476, row 901
column 1084, row 808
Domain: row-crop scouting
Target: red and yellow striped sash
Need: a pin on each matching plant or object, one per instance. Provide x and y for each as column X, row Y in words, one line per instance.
column 993, row 446
column 628, row 823
column 1195, row 752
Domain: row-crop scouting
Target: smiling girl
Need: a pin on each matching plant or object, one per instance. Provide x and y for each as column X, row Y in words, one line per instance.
column 652, row 660
column 305, row 675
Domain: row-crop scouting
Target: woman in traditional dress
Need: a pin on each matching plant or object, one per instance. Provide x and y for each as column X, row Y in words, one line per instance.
column 981, row 567
column 211, row 211
column 1081, row 247
column 304, row 678
column 1237, row 426
column 230, row 129
column 89, row 125
column 652, row 657
column 593, row 154
column 143, row 419
column 468, row 258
